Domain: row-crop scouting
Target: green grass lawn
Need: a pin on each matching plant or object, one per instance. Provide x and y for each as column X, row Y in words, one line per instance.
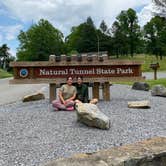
column 4, row 74
column 161, row 81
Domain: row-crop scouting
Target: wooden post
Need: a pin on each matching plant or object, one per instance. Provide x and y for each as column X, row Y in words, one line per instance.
column 52, row 89
column 155, row 66
column 96, row 90
column 155, row 74
column 106, row 91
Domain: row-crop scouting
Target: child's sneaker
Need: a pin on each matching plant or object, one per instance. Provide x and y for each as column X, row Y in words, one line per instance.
column 71, row 108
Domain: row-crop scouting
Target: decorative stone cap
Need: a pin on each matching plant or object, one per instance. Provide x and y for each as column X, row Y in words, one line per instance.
column 101, row 56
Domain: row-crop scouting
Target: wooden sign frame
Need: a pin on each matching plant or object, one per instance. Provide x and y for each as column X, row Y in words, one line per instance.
column 96, row 71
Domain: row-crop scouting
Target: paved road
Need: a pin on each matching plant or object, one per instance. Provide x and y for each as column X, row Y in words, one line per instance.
column 150, row 75
column 10, row 93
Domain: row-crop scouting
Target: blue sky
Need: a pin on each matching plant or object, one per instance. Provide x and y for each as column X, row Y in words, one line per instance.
column 16, row 15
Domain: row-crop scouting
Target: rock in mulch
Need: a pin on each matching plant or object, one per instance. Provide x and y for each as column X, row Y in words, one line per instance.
column 33, row 97
column 90, row 115
column 141, row 86
column 158, row 90
column 139, row 104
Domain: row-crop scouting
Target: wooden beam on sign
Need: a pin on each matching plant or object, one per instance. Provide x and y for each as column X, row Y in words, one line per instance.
column 52, row 92
column 96, row 90
column 106, row 91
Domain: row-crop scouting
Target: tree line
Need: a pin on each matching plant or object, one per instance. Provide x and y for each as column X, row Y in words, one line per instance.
column 125, row 37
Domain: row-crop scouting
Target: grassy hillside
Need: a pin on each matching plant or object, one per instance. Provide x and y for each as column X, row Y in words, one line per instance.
column 4, row 74
column 148, row 59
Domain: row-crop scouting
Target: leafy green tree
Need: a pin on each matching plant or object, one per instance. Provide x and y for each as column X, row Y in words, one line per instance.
column 4, row 56
column 155, row 35
column 120, row 41
column 82, row 38
column 126, row 32
column 39, row 42
column 105, row 39
column 134, row 30
column 86, row 38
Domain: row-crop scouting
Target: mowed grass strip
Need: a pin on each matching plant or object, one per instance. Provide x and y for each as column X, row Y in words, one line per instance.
column 4, row 74
column 161, row 81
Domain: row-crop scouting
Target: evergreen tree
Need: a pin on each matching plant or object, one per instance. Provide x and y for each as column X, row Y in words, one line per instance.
column 89, row 22
column 103, row 27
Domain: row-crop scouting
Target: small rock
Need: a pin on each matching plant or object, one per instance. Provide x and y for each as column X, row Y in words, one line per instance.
column 139, row 104
column 141, row 86
column 158, row 90
column 33, row 97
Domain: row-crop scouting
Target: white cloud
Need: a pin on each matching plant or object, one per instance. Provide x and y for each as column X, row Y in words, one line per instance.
column 8, row 33
column 63, row 14
column 12, row 51
column 145, row 15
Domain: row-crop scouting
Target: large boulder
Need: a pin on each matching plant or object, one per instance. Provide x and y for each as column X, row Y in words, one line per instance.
column 33, row 97
column 158, row 90
column 90, row 115
column 141, row 86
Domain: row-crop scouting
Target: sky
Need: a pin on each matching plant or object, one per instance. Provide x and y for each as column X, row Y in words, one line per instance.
column 16, row 15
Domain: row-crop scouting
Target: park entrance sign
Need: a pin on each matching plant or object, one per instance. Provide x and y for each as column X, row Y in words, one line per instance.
column 89, row 71
column 94, row 68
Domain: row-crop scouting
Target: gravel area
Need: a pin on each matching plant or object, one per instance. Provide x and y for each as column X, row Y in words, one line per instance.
column 32, row 133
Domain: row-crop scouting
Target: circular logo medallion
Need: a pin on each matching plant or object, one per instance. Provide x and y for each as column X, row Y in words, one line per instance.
column 23, row 73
